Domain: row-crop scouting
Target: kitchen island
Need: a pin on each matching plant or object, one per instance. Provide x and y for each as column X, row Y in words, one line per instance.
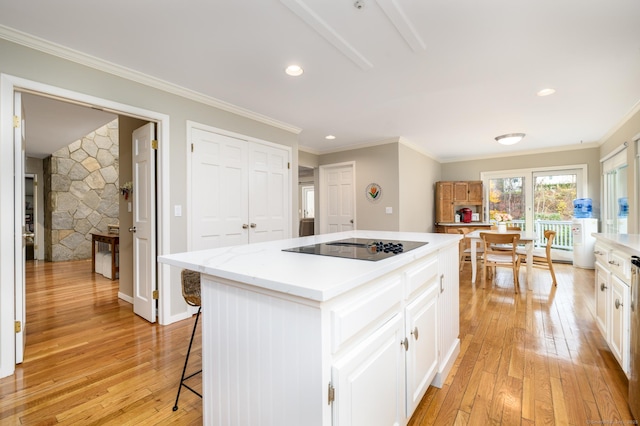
column 294, row 338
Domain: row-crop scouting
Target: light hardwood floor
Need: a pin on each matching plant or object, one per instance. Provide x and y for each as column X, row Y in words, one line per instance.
column 532, row 358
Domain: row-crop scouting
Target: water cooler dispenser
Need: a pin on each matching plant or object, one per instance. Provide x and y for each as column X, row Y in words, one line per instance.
column 582, row 226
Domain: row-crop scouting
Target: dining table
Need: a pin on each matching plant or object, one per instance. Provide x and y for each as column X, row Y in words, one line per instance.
column 528, row 238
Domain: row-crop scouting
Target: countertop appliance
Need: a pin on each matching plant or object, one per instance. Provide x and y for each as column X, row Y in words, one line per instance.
column 634, row 364
column 359, row 248
column 467, row 214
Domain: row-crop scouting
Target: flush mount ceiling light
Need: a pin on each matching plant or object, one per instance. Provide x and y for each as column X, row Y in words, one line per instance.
column 510, row 138
column 294, row 70
column 546, row 92
column 330, row 137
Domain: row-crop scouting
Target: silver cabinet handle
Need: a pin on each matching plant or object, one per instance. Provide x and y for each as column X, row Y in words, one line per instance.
column 245, row 226
column 613, row 262
column 415, row 333
column 405, row 343
column 132, row 229
column 618, row 304
column 603, row 287
column 351, row 221
column 253, row 225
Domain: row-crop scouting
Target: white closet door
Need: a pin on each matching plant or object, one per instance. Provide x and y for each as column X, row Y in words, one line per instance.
column 219, row 191
column 269, row 187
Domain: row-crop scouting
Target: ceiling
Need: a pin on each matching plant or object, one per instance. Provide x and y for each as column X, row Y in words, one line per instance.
column 445, row 76
column 52, row 124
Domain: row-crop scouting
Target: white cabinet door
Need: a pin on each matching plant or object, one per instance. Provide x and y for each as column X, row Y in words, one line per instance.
column 619, row 337
column 269, row 206
column 602, row 278
column 422, row 356
column 369, row 380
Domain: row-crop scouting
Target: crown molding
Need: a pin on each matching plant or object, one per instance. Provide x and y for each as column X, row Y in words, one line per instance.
column 72, row 55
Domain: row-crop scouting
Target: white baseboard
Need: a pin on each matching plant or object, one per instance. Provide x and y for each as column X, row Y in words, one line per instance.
column 126, row 298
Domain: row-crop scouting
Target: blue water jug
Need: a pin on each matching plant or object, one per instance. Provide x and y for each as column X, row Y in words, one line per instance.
column 582, row 208
column 623, row 207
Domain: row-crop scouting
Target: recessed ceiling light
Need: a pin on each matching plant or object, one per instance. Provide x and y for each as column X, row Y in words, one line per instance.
column 546, row 92
column 510, row 138
column 330, row 137
column 294, row 70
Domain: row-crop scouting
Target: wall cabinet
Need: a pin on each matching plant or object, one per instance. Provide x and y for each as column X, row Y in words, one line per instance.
column 612, row 294
column 451, row 196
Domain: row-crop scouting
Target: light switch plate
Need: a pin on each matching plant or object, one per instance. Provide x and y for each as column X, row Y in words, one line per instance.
column 177, row 210
column 389, row 210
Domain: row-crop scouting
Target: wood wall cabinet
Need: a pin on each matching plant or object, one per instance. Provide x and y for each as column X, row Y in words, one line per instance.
column 451, row 196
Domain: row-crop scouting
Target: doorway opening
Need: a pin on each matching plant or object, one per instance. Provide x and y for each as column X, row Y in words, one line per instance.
column 12, row 280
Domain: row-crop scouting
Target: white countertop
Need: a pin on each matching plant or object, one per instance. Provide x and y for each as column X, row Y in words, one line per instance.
column 318, row 278
column 630, row 242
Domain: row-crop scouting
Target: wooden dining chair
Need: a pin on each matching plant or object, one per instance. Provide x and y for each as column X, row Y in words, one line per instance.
column 542, row 258
column 494, row 257
column 465, row 248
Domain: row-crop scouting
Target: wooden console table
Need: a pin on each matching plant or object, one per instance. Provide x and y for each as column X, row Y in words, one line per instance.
column 114, row 242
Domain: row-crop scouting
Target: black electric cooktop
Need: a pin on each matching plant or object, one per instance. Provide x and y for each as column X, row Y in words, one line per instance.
column 359, row 248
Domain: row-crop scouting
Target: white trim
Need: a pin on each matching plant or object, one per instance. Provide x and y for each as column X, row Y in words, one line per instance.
column 9, row 84
column 617, row 150
column 60, row 51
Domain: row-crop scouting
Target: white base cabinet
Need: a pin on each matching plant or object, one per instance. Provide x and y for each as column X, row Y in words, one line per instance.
column 612, row 297
column 365, row 357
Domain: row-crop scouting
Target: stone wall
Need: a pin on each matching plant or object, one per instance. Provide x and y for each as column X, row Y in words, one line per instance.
column 81, row 193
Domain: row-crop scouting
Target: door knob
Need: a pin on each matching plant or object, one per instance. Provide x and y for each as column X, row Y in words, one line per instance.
column 245, row 226
column 253, row 225
column 132, row 229
column 351, row 221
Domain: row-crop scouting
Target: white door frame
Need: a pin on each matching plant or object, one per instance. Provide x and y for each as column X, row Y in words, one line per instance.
column 8, row 85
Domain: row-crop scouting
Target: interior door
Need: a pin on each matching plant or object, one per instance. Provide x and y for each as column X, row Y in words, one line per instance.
column 269, row 188
column 337, row 198
column 20, row 235
column 219, row 185
column 144, row 222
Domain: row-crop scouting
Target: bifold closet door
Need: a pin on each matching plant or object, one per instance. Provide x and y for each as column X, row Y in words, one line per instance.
column 219, row 190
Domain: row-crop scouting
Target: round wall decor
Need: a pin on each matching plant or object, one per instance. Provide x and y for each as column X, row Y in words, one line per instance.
column 373, row 192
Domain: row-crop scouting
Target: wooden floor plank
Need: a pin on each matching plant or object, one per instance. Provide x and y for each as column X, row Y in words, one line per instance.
column 532, row 358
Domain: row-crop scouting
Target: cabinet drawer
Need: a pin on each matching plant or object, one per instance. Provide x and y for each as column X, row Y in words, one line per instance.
column 371, row 309
column 620, row 265
column 601, row 253
column 420, row 276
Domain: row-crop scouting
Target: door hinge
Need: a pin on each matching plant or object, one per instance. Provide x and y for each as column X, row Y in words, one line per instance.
column 35, row 183
column 16, row 122
column 331, row 394
column 18, row 326
column 288, row 165
column 35, row 247
column 191, row 147
column 156, row 295
column 154, row 144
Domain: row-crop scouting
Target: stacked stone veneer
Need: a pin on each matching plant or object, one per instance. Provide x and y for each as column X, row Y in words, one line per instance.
column 81, row 193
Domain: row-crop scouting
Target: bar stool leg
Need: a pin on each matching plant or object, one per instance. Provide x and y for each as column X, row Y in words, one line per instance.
column 186, row 361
